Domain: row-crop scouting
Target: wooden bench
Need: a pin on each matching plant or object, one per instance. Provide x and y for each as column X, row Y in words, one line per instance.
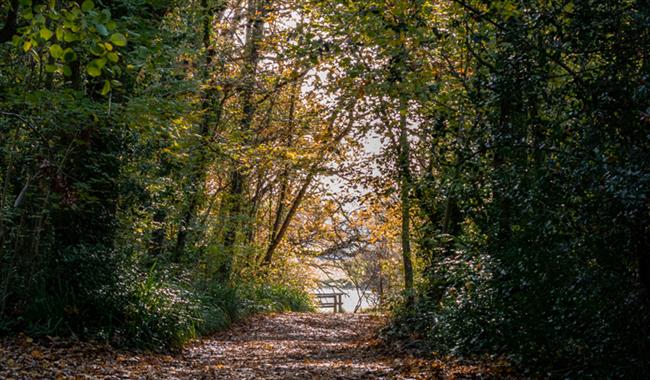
column 330, row 300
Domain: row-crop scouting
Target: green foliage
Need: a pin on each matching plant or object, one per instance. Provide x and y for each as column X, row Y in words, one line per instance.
column 102, row 295
column 162, row 314
column 220, row 305
column 269, row 298
column 94, row 153
column 67, row 31
column 534, row 203
column 156, row 313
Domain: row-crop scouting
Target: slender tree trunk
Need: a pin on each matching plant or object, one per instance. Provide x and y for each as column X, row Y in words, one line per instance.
column 212, row 117
column 9, row 165
column 157, row 242
column 268, row 257
column 380, row 291
column 279, row 212
column 452, row 218
column 504, row 232
column 234, row 211
column 261, row 188
column 257, row 12
column 641, row 236
column 250, row 222
column 284, row 186
column 405, row 198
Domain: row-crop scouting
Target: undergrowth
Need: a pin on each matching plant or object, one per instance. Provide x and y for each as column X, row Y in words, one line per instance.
column 93, row 294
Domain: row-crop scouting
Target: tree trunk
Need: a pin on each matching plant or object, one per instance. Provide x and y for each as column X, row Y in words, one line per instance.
column 504, row 232
column 275, row 241
column 212, row 117
column 268, row 257
column 641, row 238
column 284, row 186
column 257, row 12
column 405, row 189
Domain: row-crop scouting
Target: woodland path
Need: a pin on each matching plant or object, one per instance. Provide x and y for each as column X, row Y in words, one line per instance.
column 280, row 346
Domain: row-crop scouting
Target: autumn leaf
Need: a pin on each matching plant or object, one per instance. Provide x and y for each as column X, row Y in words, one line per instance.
column 36, row 354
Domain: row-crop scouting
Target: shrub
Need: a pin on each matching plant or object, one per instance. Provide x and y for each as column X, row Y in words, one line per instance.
column 266, row 298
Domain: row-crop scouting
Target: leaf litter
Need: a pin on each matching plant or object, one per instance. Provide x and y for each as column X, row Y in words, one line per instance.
column 276, row 346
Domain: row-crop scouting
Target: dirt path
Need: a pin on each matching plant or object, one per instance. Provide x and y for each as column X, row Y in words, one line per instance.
column 283, row 346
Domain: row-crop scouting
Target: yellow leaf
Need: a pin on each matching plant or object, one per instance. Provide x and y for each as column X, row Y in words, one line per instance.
column 36, row 354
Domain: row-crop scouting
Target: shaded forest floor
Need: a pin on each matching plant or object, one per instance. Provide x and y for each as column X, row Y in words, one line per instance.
column 280, row 346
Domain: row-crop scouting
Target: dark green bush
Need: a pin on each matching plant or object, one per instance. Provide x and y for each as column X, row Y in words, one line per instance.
column 94, row 292
column 156, row 313
column 572, row 320
column 218, row 306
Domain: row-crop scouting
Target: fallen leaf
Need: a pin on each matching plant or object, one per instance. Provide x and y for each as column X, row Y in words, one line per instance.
column 36, row 354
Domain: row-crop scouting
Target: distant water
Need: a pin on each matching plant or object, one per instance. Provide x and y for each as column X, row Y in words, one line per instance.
column 350, row 299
